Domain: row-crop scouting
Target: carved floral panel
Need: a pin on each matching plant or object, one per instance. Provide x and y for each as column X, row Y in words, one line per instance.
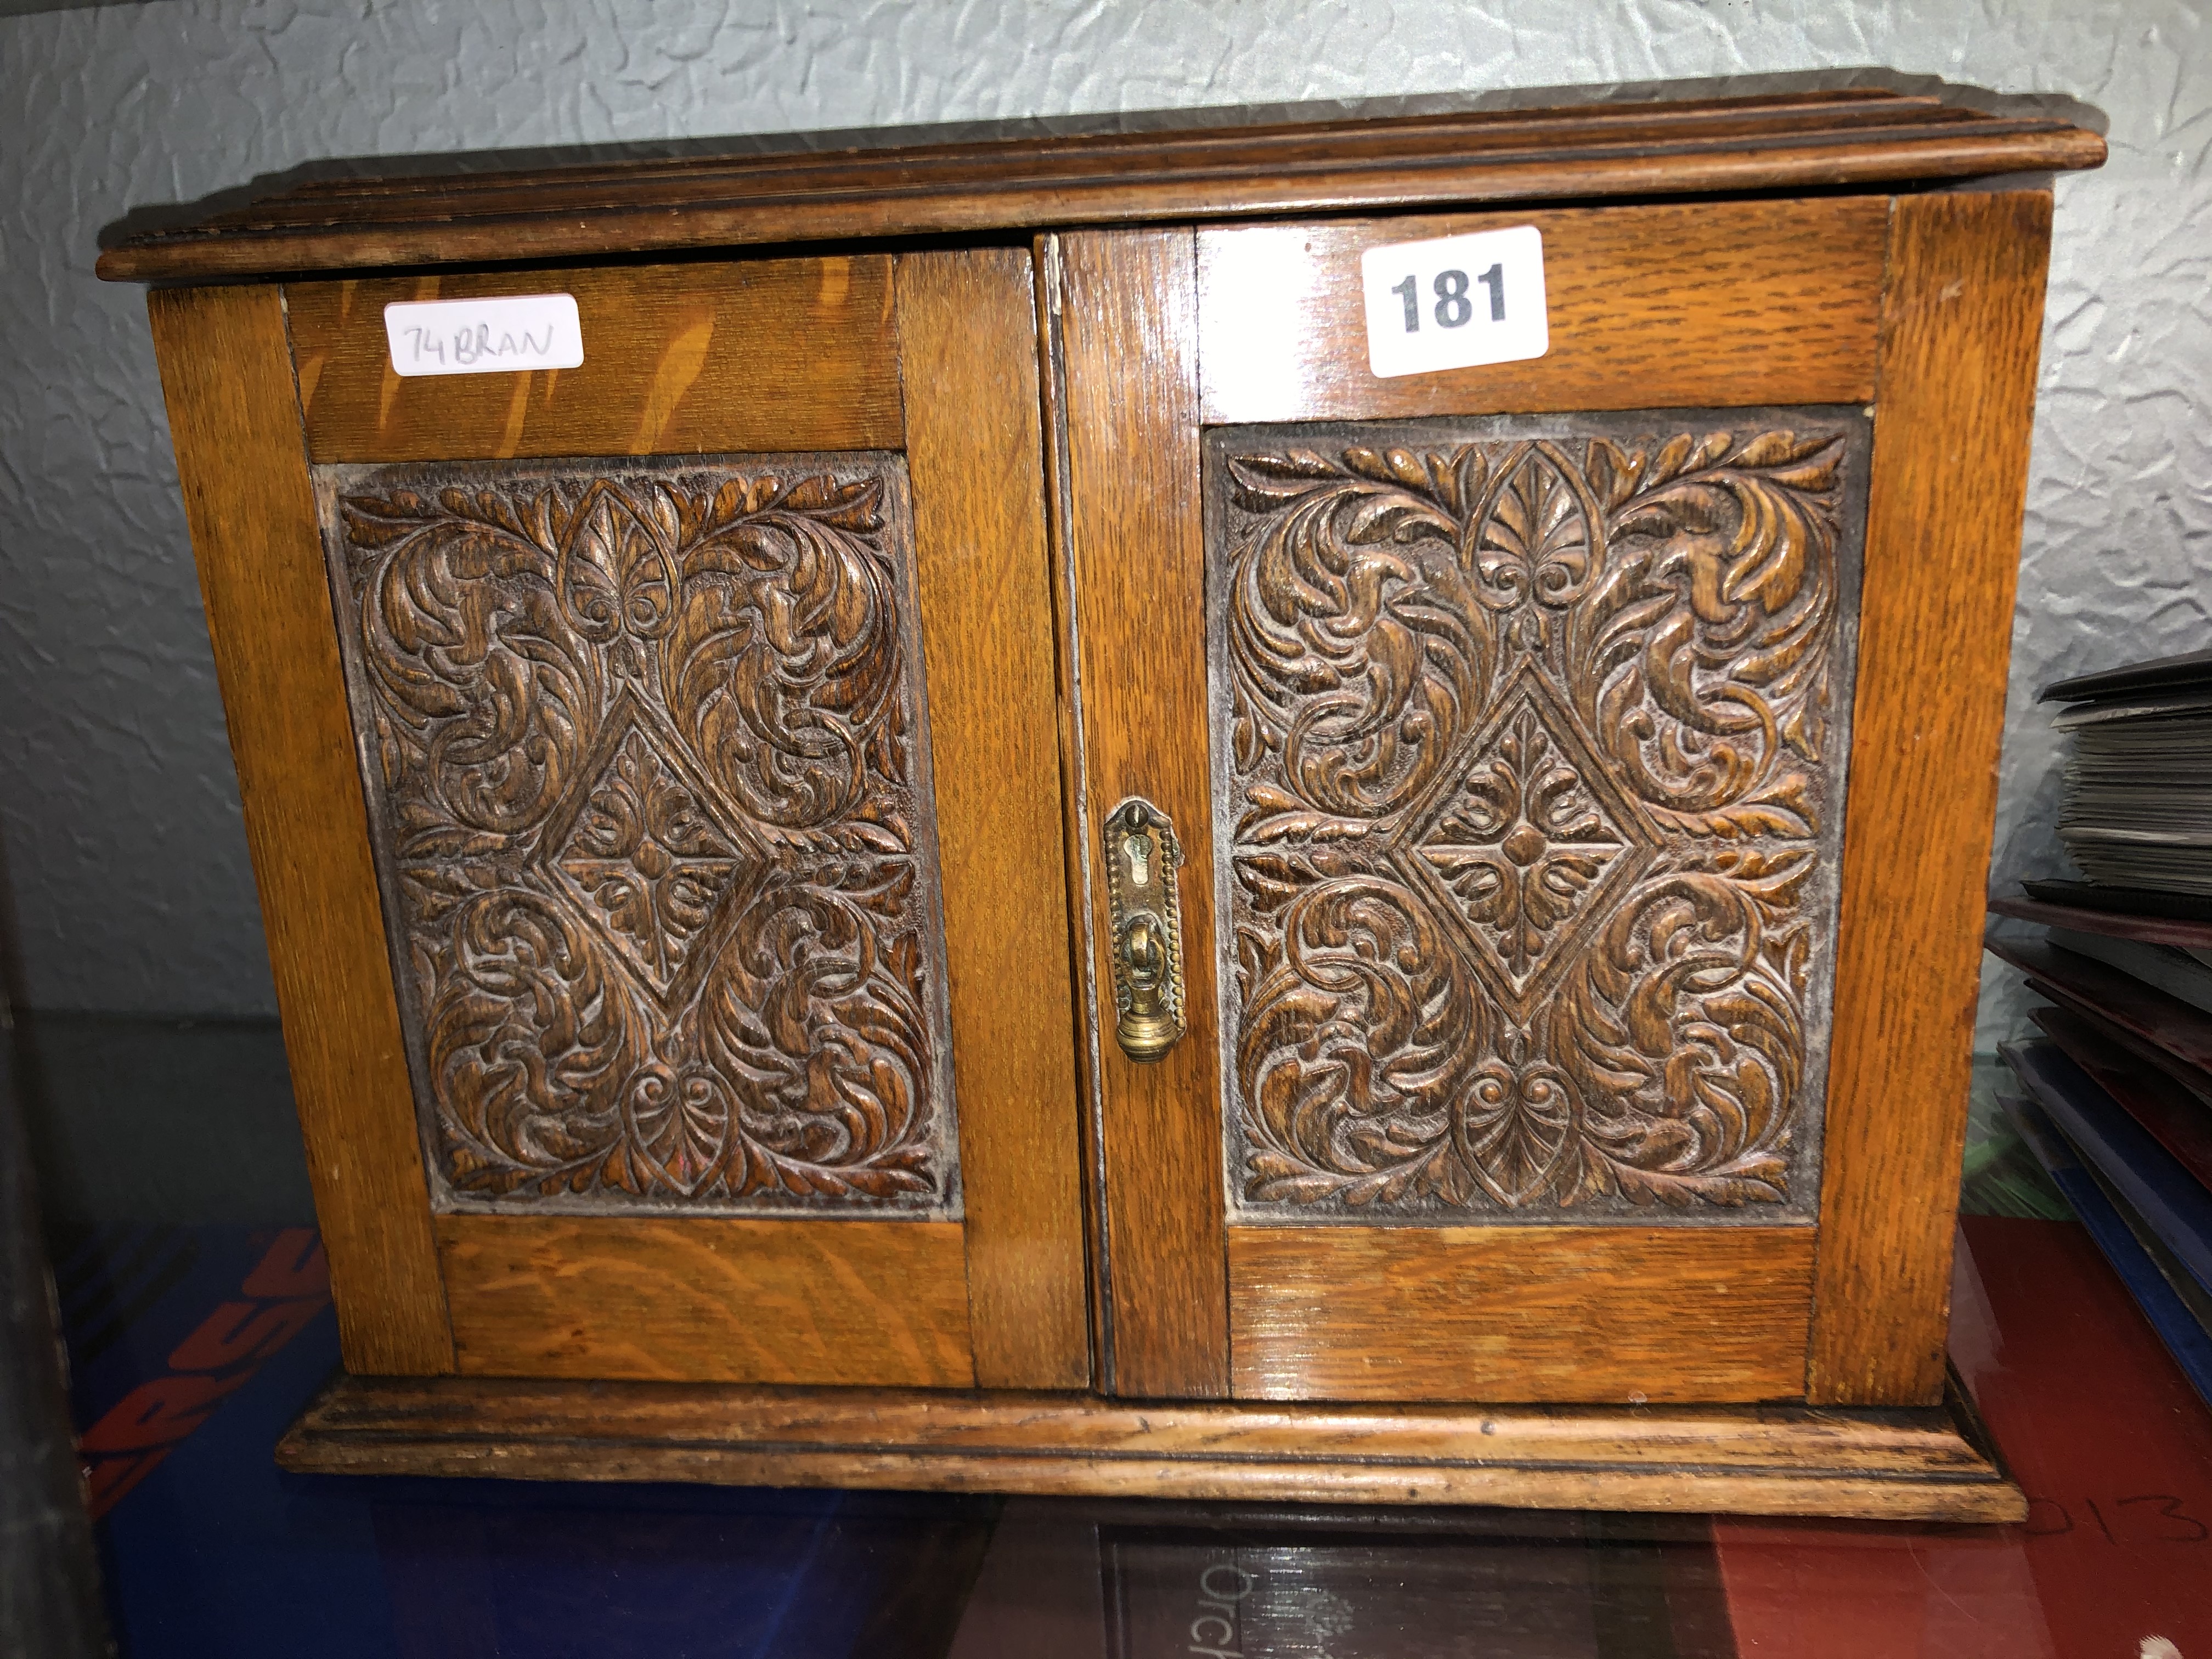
column 1529, row 757
column 647, row 760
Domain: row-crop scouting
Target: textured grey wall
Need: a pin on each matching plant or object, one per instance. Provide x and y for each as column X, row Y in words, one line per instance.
column 125, row 870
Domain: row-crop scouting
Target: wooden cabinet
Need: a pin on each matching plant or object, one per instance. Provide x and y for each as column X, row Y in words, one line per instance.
column 946, row 835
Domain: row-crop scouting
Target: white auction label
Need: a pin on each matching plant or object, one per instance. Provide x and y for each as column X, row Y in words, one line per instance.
column 1455, row 301
column 505, row 336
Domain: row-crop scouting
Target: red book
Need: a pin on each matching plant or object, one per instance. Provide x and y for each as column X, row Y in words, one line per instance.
column 2152, row 930
column 2182, row 1031
column 2175, row 1117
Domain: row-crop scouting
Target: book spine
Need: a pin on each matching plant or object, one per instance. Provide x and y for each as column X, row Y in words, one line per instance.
column 2185, row 1338
column 2169, row 1199
column 2158, row 966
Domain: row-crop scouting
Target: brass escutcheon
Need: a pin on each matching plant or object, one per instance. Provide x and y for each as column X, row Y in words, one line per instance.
column 1142, row 856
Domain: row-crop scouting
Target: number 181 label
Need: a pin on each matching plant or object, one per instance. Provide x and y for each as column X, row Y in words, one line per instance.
column 1456, row 303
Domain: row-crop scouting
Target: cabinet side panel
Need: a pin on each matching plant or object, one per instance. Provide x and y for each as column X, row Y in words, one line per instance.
column 234, row 418
column 1961, row 324
column 975, row 456
column 1137, row 552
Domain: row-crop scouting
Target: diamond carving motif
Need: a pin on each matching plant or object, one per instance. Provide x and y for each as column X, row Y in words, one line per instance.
column 1525, row 833
column 1529, row 775
column 642, row 859
column 645, row 756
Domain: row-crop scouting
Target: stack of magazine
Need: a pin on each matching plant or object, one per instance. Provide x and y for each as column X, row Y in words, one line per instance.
column 2116, row 1094
column 2138, row 808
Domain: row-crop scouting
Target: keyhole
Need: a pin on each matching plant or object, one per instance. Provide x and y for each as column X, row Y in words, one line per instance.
column 1138, row 851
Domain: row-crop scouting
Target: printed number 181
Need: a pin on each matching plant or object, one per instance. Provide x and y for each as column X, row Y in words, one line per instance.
column 1424, row 301
column 1453, row 308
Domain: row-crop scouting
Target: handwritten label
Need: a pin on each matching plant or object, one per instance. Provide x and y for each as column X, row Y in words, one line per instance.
column 1456, row 303
column 485, row 336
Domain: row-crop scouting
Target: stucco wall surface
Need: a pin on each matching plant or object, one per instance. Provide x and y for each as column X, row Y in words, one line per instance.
column 125, row 870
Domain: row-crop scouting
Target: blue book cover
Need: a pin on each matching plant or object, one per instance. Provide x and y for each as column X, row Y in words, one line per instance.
column 2184, row 1338
column 2171, row 1200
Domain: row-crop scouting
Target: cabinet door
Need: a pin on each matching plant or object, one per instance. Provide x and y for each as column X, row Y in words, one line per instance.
column 1503, row 717
column 703, row 702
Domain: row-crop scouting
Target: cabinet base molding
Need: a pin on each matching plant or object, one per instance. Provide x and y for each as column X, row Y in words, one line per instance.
column 1935, row 1464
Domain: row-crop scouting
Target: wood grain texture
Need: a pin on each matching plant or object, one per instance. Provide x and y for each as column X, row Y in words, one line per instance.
column 1135, row 547
column 234, row 418
column 708, row 1300
column 1962, row 319
column 1770, row 1459
column 1663, row 305
column 1538, row 1313
column 967, row 344
column 1046, row 256
column 1811, row 140
column 776, row 355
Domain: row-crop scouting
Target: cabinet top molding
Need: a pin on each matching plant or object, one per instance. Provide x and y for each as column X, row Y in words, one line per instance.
column 1794, row 141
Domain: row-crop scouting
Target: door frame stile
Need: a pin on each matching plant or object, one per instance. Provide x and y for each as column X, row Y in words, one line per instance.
column 1052, row 384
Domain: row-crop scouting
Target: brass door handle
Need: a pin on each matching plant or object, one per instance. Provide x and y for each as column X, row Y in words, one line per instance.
column 1142, row 856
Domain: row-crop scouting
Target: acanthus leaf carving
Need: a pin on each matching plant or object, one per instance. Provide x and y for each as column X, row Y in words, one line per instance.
column 642, row 741
column 1530, row 798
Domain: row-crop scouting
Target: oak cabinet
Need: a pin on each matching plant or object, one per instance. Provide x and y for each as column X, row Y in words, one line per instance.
column 942, row 834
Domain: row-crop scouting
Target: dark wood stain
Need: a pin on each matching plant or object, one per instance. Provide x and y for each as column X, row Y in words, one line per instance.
column 1820, row 140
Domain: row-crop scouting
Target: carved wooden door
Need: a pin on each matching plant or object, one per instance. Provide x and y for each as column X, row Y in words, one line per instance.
column 703, row 703
column 1501, row 718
